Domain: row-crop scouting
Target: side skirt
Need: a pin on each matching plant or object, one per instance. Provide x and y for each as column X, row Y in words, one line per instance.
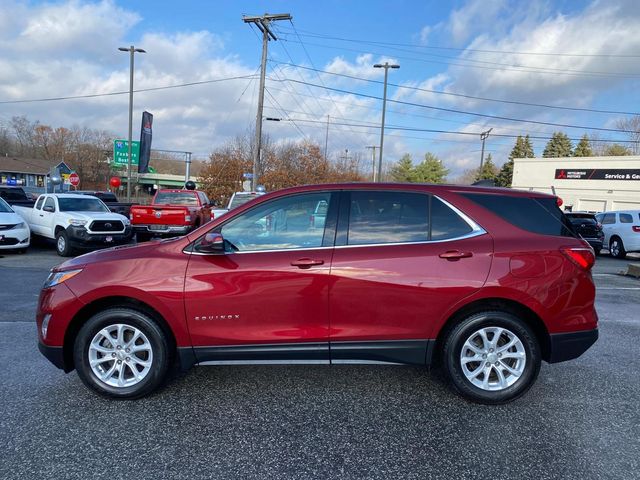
column 400, row 352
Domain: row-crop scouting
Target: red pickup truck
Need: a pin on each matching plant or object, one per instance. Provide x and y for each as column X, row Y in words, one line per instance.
column 171, row 213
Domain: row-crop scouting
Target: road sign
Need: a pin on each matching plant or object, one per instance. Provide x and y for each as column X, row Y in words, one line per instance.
column 121, row 152
column 247, row 176
column 74, row 179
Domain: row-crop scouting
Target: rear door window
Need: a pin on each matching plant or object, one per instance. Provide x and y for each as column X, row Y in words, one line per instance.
column 39, row 203
column 536, row 215
column 388, row 217
column 609, row 218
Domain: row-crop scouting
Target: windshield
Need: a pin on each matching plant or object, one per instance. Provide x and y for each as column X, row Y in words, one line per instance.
column 4, row 207
column 241, row 200
column 81, row 204
column 176, row 198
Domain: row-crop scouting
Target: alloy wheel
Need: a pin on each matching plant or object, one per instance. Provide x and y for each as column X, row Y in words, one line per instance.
column 120, row 355
column 493, row 358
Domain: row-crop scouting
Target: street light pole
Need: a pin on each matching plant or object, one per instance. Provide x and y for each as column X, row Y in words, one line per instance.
column 373, row 160
column 132, row 50
column 483, row 137
column 386, row 67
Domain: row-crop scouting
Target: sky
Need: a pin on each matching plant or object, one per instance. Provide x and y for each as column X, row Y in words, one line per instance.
column 465, row 67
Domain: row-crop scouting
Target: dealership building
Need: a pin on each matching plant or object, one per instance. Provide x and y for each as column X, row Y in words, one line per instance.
column 593, row 184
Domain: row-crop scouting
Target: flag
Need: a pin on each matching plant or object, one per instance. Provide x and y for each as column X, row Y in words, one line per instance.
column 145, row 142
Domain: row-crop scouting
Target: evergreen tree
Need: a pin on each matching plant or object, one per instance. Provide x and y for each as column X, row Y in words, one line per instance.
column 489, row 171
column 522, row 149
column 583, row 149
column 402, row 171
column 616, row 150
column 558, row 146
column 528, row 148
column 430, row 170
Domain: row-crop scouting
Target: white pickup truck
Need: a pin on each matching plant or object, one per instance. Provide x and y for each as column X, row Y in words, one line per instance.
column 75, row 222
column 237, row 199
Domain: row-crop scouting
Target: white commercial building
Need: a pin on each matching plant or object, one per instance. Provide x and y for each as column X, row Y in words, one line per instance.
column 583, row 183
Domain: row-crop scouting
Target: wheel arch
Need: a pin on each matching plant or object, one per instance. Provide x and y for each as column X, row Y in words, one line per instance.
column 90, row 309
column 504, row 305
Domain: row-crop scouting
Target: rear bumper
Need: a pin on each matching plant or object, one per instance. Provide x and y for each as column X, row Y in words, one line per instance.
column 53, row 354
column 567, row 346
column 596, row 243
column 166, row 230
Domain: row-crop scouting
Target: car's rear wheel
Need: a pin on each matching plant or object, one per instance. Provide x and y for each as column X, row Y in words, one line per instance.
column 616, row 248
column 491, row 357
column 121, row 353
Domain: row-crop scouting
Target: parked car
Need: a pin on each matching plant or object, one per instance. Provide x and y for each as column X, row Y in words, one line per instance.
column 621, row 231
column 14, row 231
column 75, row 222
column 237, row 199
column 171, row 213
column 589, row 228
column 15, row 195
column 488, row 282
column 110, row 200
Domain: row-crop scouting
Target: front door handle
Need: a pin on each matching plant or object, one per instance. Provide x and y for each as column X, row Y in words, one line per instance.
column 306, row 262
column 455, row 255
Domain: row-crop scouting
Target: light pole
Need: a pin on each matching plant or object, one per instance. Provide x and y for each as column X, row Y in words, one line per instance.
column 386, row 67
column 483, row 137
column 373, row 158
column 132, row 50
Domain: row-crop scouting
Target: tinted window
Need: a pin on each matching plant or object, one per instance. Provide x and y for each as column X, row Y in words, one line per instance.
column 388, row 217
column 50, row 203
column 537, row 215
column 626, row 218
column 39, row 203
column 445, row 223
column 281, row 224
column 81, row 204
column 176, row 198
column 105, row 196
column 13, row 194
column 609, row 218
column 4, row 207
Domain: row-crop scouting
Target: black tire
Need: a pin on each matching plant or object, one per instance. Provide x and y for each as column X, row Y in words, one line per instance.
column 453, row 348
column 616, row 248
column 597, row 251
column 142, row 237
column 157, row 340
column 63, row 247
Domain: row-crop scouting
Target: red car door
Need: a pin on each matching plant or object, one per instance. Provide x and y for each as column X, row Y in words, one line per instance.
column 267, row 296
column 402, row 259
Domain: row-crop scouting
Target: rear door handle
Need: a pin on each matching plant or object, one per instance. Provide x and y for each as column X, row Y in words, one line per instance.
column 455, row 255
column 306, row 262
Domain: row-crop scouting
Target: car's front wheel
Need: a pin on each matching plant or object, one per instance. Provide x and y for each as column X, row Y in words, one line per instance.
column 491, row 357
column 121, row 353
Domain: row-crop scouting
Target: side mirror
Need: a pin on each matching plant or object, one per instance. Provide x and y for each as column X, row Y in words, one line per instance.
column 211, row 243
column 49, row 209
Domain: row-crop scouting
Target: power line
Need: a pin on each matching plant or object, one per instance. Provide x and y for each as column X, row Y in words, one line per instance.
column 109, row 94
column 504, row 67
column 452, row 110
column 434, row 47
column 462, row 95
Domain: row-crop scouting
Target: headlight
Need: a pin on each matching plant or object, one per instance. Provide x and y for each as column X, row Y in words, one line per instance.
column 20, row 225
column 56, row 278
column 77, row 222
column 126, row 221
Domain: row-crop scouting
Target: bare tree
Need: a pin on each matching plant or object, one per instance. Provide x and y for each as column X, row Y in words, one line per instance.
column 631, row 125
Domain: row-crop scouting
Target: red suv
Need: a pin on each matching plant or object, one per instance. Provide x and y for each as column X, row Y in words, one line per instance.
column 486, row 281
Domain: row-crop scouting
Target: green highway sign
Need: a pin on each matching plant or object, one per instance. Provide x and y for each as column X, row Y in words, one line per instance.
column 121, row 152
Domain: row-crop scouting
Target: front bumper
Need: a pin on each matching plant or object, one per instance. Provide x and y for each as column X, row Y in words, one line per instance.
column 81, row 238
column 567, row 346
column 14, row 238
column 54, row 355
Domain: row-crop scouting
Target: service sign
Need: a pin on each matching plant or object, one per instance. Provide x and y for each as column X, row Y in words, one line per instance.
column 597, row 174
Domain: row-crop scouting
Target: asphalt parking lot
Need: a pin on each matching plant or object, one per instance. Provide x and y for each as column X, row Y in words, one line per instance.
column 580, row 420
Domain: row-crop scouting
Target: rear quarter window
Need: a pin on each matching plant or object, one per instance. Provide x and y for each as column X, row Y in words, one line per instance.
column 536, row 215
column 626, row 218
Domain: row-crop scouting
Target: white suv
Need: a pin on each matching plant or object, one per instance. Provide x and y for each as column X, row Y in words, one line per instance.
column 621, row 231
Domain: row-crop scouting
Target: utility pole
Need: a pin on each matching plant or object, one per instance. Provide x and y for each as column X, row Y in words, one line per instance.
column 132, row 50
column 326, row 139
column 483, row 137
column 386, row 67
column 262, row 22
column 373, row 160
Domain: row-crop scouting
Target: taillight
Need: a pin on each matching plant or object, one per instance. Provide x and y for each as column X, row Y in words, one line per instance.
column 559, row 201
column 187, row 218
column 599, row 226
column 581, row 256
column 636, row 228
